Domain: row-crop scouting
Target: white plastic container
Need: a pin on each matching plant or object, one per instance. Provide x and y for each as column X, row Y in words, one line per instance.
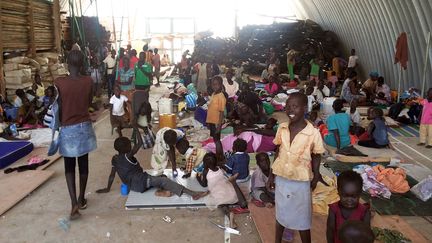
column 327, row 107
column 165, row 106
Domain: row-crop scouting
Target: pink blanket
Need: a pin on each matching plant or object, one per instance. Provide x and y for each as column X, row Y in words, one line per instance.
column 256, row 143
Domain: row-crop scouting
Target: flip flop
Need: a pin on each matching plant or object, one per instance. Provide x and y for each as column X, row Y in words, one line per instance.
column 258, row 203
column 83, row 206
column 239, row 210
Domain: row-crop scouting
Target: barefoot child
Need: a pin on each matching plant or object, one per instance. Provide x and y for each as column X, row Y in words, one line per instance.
column 117, row 110
column 295, row 170
column 426, row 121
column 216, row 108
column 260, row 195
column 350, row 186
column 132, row 174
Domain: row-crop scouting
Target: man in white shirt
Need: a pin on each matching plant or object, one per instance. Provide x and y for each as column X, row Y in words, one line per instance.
column 110, row 62
column 352, row 61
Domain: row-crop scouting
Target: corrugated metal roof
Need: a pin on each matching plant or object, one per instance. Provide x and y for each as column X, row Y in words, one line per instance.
column 372, row 27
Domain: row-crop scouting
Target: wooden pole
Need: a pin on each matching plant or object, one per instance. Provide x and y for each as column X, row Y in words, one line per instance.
column 32, row 46
column 2, row 80
column 57, row 29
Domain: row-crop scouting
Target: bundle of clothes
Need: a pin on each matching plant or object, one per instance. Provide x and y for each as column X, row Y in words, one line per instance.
column 379, row 181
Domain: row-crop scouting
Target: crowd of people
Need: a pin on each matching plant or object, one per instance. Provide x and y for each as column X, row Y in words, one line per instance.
column 222, row 164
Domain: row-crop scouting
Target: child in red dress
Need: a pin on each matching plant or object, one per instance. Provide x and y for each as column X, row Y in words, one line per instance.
column 348, row 207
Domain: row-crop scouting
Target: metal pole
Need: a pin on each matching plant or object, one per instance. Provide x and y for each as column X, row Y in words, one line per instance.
column 426, row 63
column 118, row 50
column 400, row 80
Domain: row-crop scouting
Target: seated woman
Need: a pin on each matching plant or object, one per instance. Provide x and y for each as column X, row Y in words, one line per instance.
column 350, row 90
column 338, row 126
column 382, row 91
column 377, row 131
column 242, row 114
column 272, row 87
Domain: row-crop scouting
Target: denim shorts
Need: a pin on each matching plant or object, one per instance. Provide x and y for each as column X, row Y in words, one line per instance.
column 77, row 140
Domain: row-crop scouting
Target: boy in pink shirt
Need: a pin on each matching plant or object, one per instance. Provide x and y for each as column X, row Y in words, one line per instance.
column 426, row 121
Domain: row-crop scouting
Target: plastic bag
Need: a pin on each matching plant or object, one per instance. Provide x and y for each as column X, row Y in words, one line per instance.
column 423, row 190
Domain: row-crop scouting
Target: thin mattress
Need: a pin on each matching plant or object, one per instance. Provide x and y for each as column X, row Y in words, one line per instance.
column 11, row 151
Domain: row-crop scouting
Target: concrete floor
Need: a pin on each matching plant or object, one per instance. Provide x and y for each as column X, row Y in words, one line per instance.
column 35, row 219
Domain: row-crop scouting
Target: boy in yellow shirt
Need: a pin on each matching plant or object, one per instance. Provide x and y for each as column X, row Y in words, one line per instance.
column 295, row 170
column 216, row 108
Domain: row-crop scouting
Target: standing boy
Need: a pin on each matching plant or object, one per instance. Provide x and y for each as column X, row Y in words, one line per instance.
column 295, row 170
column 216, row 107
column 118, row 102
column 157, row 65
column 352, row 61
column 110, row 63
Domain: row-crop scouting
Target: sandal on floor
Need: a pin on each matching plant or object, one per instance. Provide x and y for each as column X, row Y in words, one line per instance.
column 239, row 210
column 83, row 204
column 258, row 203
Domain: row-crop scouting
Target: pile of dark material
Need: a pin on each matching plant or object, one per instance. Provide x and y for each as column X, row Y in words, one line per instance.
column 254, row 42
column 95, row 33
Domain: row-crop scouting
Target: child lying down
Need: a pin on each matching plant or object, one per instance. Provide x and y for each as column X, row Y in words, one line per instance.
column 132, row 174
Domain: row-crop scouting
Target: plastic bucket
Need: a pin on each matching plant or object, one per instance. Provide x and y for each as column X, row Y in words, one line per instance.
column 167, row 120
column 327, row 107
column 165, row 106
column 124, row 190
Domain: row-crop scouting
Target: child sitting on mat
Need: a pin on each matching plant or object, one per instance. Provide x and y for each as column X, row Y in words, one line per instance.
column 338, row 126
column 260, row 195
column 131, row 173
column 193, row 156
column 349, row 186
column 27, row 114
column 117, row 110
column 238, row 162
column 377, row 131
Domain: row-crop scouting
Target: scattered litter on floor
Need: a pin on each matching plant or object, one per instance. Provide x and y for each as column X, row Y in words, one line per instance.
column 193, row 209
column 108, row 234
column 44, row 233
column 64, row 224
column 143, row 231
column 167, row 219
column 227, row 229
